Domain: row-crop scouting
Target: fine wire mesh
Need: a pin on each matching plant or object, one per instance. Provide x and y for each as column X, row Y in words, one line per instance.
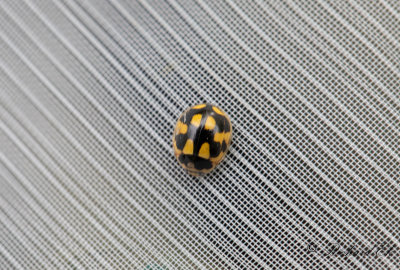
column 89, row 95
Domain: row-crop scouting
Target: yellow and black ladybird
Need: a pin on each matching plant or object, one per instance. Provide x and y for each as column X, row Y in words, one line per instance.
column 202, row 138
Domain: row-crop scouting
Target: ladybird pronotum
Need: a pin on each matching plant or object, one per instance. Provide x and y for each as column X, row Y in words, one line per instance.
column 202, row 138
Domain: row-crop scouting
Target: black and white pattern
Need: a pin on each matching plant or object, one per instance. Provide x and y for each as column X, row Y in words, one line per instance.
column 89, row 96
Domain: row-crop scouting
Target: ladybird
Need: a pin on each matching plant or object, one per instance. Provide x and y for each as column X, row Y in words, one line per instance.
column 201, row 139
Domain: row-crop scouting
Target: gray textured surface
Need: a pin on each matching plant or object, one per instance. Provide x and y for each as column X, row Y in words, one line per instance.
column 89, row 95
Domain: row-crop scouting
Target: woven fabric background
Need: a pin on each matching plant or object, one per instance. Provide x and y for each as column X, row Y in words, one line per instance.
column 89, row 95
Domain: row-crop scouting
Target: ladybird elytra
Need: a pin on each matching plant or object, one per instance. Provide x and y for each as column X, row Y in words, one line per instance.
column 201, row 138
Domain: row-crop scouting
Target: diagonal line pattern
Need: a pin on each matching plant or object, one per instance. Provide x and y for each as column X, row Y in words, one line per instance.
column 89, row 95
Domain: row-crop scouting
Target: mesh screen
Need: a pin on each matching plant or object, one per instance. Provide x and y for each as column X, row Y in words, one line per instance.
column 89, row 95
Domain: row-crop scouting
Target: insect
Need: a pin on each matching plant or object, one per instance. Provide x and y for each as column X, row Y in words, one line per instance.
column 202, row 138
